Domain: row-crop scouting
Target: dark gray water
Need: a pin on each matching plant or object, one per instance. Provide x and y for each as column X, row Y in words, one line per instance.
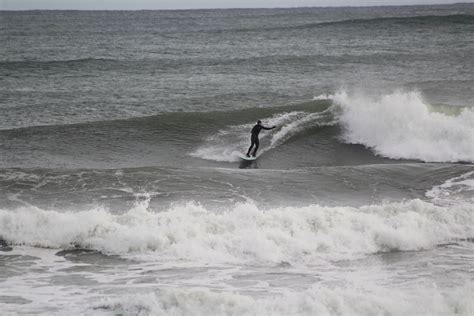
column 88, row 66
column 122, row 190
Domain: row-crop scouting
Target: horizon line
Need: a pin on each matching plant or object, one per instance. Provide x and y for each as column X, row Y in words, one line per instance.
column 249, row 8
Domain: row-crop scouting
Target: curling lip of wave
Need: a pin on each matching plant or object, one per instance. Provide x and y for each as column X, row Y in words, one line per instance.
column 292, row 128
column 244, row 232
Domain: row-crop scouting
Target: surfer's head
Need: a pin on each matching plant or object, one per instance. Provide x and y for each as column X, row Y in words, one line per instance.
column 259, row 122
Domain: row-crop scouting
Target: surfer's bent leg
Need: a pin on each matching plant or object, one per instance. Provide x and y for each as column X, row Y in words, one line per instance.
column 257, row 142
column 251, row 145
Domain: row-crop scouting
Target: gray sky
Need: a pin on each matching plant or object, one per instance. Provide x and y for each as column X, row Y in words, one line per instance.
column 190, row 4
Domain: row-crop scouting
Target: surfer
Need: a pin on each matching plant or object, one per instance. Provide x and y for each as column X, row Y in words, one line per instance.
column 254, row 138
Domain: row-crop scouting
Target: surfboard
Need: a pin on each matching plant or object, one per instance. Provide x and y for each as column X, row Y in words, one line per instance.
column 251, row 158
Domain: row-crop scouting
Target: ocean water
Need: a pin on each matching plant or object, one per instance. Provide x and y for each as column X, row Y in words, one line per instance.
column 122, row 191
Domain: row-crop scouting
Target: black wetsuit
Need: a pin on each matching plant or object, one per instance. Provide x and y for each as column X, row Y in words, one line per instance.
column 254, row 138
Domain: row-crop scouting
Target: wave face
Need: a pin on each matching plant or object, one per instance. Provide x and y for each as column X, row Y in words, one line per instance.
column 402, row 125
column 229, row 143
column 244, row 232
column 319, row 132
column 397, row 125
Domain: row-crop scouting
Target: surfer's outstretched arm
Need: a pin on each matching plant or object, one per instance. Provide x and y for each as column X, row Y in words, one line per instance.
column 268, row 127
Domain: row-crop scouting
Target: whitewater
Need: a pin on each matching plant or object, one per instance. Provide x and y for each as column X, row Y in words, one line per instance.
column 252, row 260
column 237, row 252
column 244, row 233
column 401, row 125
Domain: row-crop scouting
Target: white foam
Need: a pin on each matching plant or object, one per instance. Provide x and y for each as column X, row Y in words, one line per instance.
column 324, row 96
column 244, row 232
column 454, row 190
column 402, row 125
column 318, row 300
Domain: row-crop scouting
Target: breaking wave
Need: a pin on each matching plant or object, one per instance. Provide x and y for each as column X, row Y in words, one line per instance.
column 399, row 125
column 244, row 232
column 402, row 125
